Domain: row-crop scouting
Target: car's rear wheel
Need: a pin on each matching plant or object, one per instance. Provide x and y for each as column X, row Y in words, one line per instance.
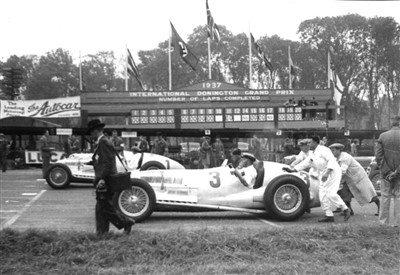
column 58, row 176
column 152, row 165
column 287, row 198
column 137, row 202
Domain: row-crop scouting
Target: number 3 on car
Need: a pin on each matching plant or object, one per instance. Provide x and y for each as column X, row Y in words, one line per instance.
column 215, row 180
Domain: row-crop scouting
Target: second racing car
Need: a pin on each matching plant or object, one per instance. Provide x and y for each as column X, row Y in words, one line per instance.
column 77, row 167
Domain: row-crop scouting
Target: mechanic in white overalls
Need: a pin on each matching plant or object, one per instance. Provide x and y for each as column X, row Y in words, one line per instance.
column 330, row 174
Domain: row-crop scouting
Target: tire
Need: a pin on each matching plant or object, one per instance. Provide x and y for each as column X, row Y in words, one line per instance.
column 287, row 198
column 58, row 176
column 138, row 202
column 375, row 179
column 152, row 165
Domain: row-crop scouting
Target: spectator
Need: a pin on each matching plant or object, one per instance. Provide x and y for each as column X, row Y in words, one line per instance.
column 256, row 147
column 75, row 145
column 388, row 158
column 219, row 154
column 313, row 102
column 67, row 146
column 302, row 102
column 313, row 112
column 353, row 148
column 355, row 181
column 160, row 145
column 235, row 157
column 104, row 165
column 143, row 144
column 4, row 148
column 117, row 142
column 45, row 150
column 324, row 141
column 205, row 152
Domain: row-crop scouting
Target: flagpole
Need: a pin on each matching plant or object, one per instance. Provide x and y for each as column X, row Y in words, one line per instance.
column 329, row 69
column 126, row 69
column 250, row 62
column 169, row 60
column 80, row 73
column 209, row 58
column 290, row 73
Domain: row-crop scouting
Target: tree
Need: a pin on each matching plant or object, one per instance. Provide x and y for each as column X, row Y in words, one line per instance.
column 54, row 76
column 99, row 72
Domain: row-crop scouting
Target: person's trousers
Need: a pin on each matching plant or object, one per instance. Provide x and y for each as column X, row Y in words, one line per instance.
column 3, row 161
column 389, row 191
column 106, row 213
column 329, row 197
column 45, row 165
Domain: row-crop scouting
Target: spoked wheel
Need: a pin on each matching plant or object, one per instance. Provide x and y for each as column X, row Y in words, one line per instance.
column 58, row 176
column 287, row 197
column 137, row 202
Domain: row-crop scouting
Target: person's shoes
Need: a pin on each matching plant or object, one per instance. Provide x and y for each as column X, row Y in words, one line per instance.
column 346, row 214
column 327, row 219
column 128, row 226
column 338, row 210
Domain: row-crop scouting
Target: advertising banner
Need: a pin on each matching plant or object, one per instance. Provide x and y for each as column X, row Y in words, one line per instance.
column 46, row 108
column 35, row 157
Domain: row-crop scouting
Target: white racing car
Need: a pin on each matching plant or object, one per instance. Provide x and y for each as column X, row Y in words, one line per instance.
column 286, row 196
column 76, row 168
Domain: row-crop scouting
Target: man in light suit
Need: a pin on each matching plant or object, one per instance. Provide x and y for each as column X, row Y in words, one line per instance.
column 387, row 155
column 104, row 166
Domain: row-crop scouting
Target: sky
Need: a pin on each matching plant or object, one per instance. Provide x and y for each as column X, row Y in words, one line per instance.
column 88, row 26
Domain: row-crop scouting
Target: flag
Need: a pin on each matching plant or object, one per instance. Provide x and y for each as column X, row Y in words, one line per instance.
column 82, row 85
column 212, row 28
column 337, row 88
column 292, row 71
column 183, row 49
column 260, row 54
column 132, row 69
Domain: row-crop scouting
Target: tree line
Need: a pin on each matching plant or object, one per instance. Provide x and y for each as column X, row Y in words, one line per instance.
column 365, row 53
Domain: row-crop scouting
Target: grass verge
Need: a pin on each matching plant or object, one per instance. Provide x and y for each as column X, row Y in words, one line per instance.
column 328, row 250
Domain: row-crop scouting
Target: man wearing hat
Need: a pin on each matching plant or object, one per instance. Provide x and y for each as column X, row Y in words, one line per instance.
column 104, row 166
column 304, row 146
column 387, row 155
column 355, row 181
column 246, row 173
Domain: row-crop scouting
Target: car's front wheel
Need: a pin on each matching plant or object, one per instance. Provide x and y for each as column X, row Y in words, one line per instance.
column 286, row 198
column 137, row 202
column 58, row 176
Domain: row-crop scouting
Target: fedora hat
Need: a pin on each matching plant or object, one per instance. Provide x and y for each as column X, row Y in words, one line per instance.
column 94, row 124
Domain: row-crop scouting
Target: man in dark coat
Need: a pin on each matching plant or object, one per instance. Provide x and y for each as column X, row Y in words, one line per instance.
column 387, row 155
column 45, row 151
column 4, row 146
column 104, row 166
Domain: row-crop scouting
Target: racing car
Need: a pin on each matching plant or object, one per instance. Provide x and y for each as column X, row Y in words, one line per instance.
column 286, row 196
column 78, row 167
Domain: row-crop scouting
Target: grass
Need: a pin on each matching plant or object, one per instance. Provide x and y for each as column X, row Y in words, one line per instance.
column 328, row 250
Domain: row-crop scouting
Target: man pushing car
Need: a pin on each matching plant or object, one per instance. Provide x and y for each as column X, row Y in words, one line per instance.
column 329, row 175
